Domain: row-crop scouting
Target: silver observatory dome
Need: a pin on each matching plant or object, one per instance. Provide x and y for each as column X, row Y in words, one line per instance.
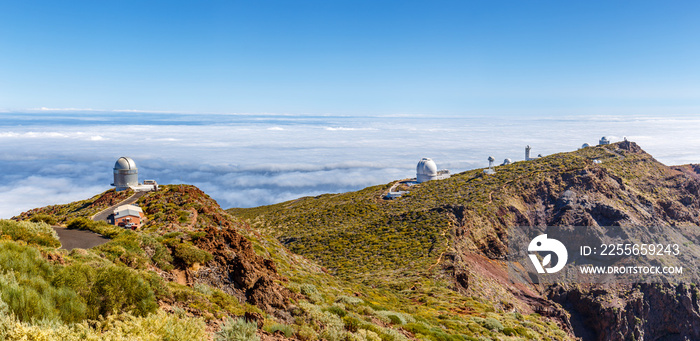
column 125, row 173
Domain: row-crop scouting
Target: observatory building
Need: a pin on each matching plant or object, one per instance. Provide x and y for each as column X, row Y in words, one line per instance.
column 490, row 170
column 603, row 141
column 427, row 170
column 126, row 175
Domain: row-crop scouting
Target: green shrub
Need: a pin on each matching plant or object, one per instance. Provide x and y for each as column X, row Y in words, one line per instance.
column 101, row 227
column 395, row 319
column 43, row 218
column 285, row 329
column 125, row 248
column 196, row 235
column 158, row 326
column 39, row 233
column 79, row 277
column 190, row 254
column 160, row 290
column 349, row 300
column 120, row 289
column 337, row 310
column 509, row 331
column 351, row 323
column 310, row 291
column 492, row 324
column 238, row 330
column 26, row 288
column 417, row 328
column 160, row 254
column 306, row 333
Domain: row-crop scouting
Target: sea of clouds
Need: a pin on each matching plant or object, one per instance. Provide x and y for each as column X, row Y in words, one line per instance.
column 251, row 160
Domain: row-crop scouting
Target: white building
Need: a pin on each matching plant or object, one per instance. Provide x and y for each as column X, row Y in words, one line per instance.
column 603, row 141
column 426, row 170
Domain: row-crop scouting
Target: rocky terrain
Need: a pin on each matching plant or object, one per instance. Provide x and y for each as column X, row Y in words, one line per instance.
column 466, row 219
column 431, row 265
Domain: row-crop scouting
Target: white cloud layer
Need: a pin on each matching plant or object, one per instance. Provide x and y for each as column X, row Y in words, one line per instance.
column 250, row 160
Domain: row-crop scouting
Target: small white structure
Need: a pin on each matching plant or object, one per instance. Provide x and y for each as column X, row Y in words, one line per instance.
column 394, row 195
column 506, row 162
column 585, row 145
column 527, row 153
column 603, row 141
column 426, row 170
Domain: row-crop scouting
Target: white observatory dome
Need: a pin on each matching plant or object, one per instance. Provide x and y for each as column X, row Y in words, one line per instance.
column 585, row 145
column 126, row 174
column 603, row 141
column 506, row 162
column 426, row 170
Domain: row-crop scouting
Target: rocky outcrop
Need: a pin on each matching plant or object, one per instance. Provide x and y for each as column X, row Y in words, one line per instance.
column 632, row 312
column 238, row 270
column 630, row 190
column 235, row 268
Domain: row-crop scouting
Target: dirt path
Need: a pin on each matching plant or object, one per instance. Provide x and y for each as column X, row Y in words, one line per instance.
column 72, row 239
column 104, row 214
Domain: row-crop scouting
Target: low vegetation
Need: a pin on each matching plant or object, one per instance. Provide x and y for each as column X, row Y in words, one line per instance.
column 141, row 284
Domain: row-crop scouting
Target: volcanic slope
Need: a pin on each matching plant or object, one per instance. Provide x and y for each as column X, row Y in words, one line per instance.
column 452, row 234
column 192, row 266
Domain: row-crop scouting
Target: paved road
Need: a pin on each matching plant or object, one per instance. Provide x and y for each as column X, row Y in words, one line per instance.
column 104, row 214
column 72, row 239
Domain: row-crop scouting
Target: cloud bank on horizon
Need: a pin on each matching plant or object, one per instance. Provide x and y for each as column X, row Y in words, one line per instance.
column 251, row 160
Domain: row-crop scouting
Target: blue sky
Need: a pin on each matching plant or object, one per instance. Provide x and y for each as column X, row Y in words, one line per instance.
column 352, row 57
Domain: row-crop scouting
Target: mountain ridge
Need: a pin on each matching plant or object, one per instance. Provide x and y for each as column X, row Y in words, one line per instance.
column 429, row 265
column 610, row 185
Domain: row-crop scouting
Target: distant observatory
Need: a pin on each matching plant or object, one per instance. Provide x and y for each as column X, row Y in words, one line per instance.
column 490, row 169
column 603, row 141
column 585, row 145
column 527, row 154
column 126, row 176
column 506, row 162
column 426, row 170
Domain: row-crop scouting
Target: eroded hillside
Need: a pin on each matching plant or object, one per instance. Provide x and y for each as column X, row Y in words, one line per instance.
column 454, row 233
column 197, row 264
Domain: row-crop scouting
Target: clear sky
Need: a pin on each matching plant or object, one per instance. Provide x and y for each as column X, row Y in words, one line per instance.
column 352, row 57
